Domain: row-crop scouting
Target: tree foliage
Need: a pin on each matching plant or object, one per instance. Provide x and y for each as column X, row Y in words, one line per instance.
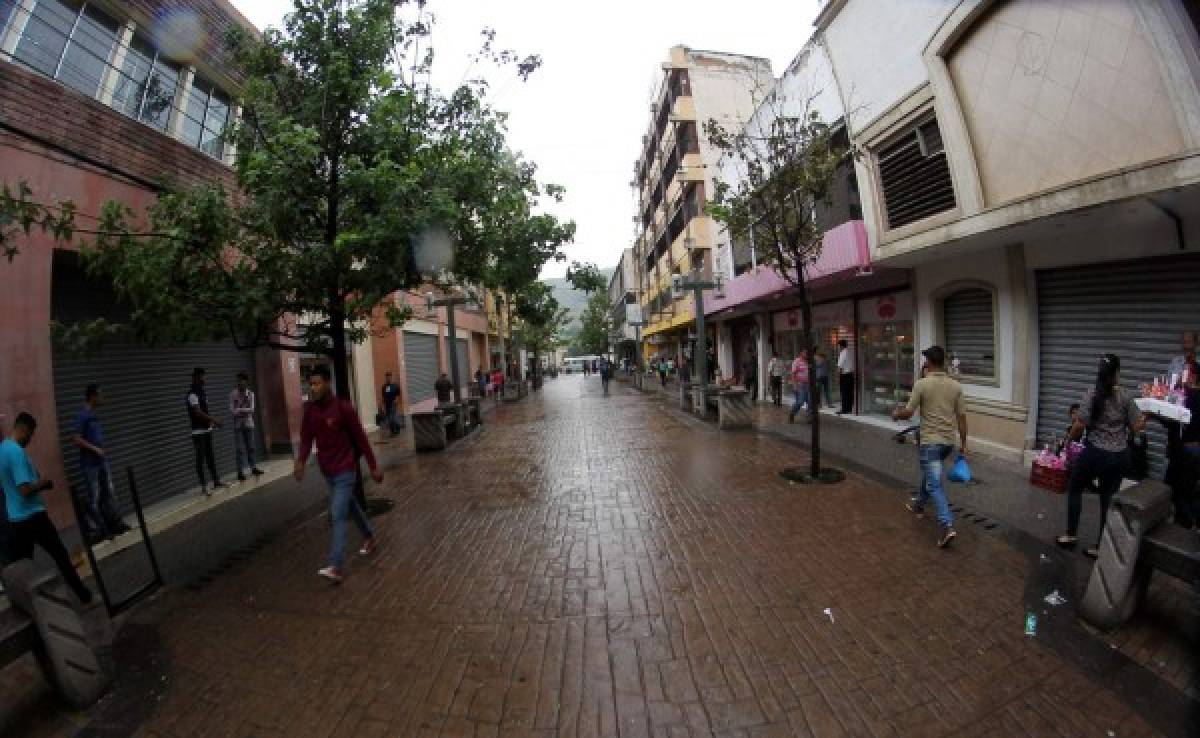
column 586, row 277
column 542, row 318
column 355, row 178
column 784, row 161
column 596, row 326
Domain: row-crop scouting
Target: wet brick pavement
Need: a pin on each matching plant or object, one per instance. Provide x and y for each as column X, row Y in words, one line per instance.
column 600, row 566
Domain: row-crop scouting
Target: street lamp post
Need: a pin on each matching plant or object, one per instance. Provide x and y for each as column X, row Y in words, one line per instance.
column 449, row 302
column 679, row 283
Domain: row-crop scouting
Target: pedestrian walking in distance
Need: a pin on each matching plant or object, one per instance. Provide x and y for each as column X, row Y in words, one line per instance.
column 801, row 397
column 241, row 409
column 100, row 503
column 203, row 425
column 1108, row 414
column 605, row 369
column 939, row 400
column 28, row 523
column 333, row 423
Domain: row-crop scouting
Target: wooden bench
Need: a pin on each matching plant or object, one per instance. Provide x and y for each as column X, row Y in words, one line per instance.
column 1137, row 540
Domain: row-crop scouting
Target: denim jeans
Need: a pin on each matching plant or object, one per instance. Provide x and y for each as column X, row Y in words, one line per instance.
column 933, row 457
column 342, row 505
column 800, row 398
column 243, row 442
column 823, row 391
column 97, row 480
column 1093, row 463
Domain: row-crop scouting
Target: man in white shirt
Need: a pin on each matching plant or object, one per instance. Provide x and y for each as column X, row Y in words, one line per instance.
column 775, row 370
column 846, row 365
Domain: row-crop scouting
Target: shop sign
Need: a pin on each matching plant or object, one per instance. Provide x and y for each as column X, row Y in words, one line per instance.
column 834, row 313
column 890, row 308
column 787, row 320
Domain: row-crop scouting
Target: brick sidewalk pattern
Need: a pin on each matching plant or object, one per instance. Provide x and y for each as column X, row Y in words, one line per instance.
column 595, row 566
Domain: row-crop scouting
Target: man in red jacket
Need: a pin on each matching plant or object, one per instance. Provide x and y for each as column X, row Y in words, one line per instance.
column 333, row 423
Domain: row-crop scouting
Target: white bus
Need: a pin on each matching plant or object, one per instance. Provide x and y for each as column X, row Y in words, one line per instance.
column 575, row 363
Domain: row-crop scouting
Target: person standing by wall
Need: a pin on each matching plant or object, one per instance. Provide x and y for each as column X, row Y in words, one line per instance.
column 1108, row 414
column 821, row 389
column 202, row 427
column 940, row 401
column 846, row 365
column 241, row 409
column 333, row 423
column 390, row 394
column 776, row 368
column 100, row 504
column 28, row 523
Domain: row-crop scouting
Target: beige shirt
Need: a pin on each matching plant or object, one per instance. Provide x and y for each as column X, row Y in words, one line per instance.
column 939, row 400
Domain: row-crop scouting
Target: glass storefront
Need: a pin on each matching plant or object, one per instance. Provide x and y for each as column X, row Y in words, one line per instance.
column 886, row 352
column 832, row 321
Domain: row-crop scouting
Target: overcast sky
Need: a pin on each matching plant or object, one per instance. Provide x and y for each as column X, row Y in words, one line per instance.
column 582, row 115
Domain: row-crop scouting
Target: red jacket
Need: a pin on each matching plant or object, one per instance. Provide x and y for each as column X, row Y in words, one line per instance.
column 334, row 425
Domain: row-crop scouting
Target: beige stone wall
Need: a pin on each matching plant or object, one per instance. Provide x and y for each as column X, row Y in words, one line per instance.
column 1053, row 93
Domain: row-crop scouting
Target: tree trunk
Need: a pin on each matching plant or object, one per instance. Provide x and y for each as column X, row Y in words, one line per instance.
column 341, row 362
column 813, row 390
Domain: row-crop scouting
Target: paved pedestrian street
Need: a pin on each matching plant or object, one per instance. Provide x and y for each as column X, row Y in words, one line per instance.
column 606, row 566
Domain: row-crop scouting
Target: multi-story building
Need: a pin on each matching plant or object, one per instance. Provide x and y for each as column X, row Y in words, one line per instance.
column 624, row 306
column 1036, row 166
column 673, row 181
column 104, row 101
column 759, row 316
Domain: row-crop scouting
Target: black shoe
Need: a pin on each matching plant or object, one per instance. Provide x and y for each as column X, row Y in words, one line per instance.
column 257, row 472
column 241, row 477
column 219, row 485
column 914, row 508
column 948, row 535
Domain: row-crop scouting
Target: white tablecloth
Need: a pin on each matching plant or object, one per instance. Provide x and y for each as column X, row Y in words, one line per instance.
column 1164, row 409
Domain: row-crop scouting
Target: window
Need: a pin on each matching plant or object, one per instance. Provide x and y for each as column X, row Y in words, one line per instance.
column 70, row 41
column 970, row 332
column 146, row 85
column 205, row 116
column 6, row 8
column 915, row 175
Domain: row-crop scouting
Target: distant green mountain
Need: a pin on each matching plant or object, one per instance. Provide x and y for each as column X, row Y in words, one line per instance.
column 571, row 299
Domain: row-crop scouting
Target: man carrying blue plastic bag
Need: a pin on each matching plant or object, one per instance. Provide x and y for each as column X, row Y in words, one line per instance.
column 939, row 400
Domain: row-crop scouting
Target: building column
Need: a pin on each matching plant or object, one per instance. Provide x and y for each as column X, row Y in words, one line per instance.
column 763, row 321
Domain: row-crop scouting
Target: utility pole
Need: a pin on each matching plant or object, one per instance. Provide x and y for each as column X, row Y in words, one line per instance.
column 680, row 283
column 449, row 302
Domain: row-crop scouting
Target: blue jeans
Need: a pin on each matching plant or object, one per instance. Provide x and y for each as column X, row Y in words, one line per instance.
column 933, row 457
column 341, row 505
column 243, row 444
column 100, row 498
column 800, row 398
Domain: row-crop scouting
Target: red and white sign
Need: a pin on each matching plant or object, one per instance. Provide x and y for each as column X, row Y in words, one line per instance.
column 890, row 308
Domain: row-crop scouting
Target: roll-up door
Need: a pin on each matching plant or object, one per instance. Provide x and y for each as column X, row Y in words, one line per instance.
column 421, row 365
column 144, row 389
column 1137, row 310
column 464, row 364
column 970, row 331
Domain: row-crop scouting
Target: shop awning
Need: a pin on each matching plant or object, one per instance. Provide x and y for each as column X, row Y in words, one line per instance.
column 845, row 252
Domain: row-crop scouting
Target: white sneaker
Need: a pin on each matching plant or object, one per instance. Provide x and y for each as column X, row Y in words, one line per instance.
column 332, row 573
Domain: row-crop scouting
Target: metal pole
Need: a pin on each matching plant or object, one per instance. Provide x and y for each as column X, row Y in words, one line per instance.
column 701, row 338
column 453, row 351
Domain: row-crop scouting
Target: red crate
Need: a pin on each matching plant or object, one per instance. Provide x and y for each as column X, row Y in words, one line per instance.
column 1049, row 478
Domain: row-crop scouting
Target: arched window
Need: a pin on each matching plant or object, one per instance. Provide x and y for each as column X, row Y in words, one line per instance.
column 969, row 328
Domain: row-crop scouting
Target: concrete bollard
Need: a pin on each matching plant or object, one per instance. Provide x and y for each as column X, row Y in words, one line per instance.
column 76, row 653
column 1118, row 581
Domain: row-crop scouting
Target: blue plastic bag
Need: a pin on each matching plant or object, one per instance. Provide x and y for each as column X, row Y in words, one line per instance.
column 960, row 472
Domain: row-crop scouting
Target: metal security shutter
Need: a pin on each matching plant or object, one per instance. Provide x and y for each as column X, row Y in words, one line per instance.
column 144, row 389
column 421, row 365
column 970, row 331
column 1136, row 310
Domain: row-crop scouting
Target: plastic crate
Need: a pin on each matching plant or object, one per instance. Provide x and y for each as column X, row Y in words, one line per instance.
column 1049, row 478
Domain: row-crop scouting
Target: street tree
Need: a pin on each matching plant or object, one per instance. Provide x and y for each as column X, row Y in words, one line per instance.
column 355, row 178
column 783, row 163
column 586, row 277
column 542, row 319
column 596, row 325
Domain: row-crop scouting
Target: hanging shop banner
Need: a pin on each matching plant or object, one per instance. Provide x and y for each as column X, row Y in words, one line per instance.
column 890, row 308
